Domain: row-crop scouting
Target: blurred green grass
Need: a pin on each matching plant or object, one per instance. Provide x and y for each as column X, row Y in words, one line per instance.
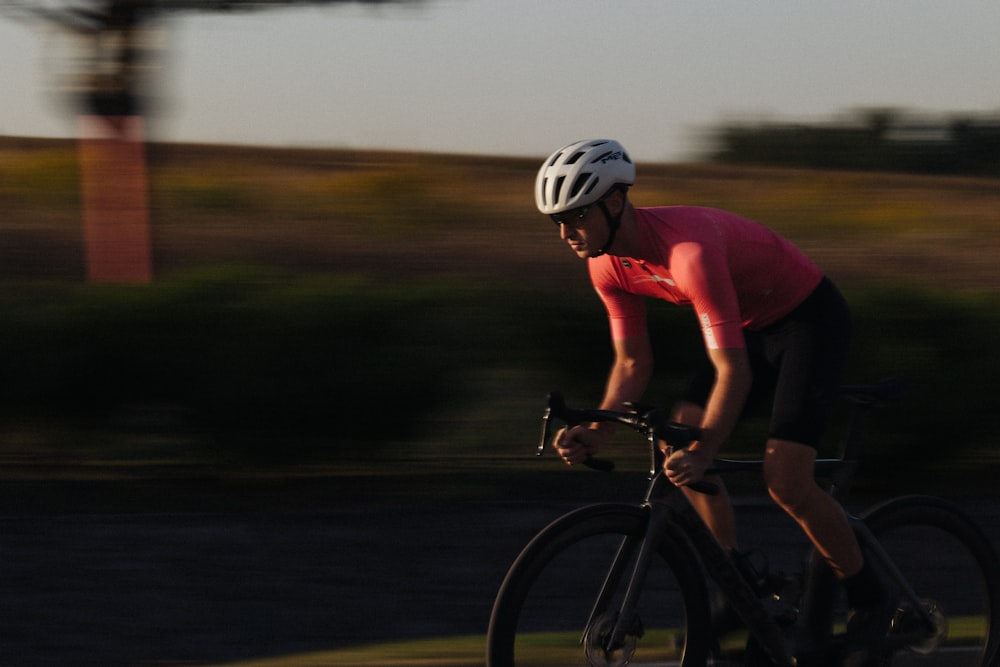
column 330, row 309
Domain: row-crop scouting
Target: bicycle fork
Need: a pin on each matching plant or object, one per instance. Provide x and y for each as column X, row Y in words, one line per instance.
column 627, row 622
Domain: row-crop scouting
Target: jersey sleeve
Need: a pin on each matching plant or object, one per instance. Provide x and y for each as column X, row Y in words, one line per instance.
column 626, row 311
column 703, row 273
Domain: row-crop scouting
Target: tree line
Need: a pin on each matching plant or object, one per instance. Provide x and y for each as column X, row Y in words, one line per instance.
column 872, row 140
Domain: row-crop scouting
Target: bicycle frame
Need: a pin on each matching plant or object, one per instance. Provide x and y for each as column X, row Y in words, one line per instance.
column 869, row 543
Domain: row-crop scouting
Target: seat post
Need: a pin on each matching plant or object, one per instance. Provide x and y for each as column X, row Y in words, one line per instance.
column 843, row 477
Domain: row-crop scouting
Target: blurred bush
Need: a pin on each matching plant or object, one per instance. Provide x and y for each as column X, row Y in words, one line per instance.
column 943, row 344
column 269, row 367
column 266, row 367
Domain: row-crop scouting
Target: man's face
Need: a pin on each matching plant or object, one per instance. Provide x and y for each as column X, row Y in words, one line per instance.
column 581, row 228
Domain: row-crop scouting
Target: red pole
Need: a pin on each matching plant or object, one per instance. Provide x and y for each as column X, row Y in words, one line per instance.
column 115, row 197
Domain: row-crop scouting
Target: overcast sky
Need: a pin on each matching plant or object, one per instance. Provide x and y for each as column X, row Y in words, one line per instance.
column 523, row 77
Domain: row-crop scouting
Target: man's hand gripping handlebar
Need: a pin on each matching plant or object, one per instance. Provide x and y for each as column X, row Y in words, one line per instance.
column 650, row 422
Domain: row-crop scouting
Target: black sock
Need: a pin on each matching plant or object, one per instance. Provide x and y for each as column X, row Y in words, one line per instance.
column 864, row 589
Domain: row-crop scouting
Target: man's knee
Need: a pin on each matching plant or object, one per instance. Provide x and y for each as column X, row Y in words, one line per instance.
column 688, row 413
column 789, row 474
column 790, row 494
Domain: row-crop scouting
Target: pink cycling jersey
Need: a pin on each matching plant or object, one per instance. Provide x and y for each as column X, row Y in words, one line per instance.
column 734, row 272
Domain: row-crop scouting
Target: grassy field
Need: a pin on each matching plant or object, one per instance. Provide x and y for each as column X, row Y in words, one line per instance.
column 406, row 216
column 316, row 310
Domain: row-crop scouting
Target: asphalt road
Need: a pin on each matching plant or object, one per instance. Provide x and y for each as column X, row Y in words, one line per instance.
column 193, row 588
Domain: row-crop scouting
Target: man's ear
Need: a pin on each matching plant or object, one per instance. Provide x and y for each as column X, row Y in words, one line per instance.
column 616, row 202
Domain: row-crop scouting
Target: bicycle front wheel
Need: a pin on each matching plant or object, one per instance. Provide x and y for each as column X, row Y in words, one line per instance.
column 954, row 572
column 550, row 611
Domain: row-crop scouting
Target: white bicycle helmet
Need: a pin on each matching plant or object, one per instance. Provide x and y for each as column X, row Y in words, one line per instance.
column 581, row 173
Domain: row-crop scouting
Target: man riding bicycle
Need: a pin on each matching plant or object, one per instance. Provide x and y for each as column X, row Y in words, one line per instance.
column 771, row 322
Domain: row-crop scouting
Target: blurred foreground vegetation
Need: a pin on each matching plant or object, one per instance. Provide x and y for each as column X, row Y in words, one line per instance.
column 326, row 309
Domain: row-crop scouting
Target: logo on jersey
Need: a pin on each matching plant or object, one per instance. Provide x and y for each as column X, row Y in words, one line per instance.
column 656, row 279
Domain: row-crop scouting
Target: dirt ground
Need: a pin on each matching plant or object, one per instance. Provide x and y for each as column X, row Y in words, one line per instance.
column 175, row 588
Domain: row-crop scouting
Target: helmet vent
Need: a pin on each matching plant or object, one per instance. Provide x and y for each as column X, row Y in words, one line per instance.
column 575, row 157
column 558, row 188
column 581, row 182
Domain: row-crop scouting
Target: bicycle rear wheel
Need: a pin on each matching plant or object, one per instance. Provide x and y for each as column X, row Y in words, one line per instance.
column 541, row 612
column 954, row 571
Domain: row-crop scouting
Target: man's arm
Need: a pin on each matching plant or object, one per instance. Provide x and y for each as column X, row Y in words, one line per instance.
column 627, row 380
column 733, row 378
column 725, row 404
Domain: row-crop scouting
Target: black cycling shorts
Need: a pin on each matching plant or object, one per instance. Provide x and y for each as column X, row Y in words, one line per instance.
column 798, row 361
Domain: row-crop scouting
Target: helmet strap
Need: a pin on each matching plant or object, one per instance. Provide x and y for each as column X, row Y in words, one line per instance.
column 614, row 222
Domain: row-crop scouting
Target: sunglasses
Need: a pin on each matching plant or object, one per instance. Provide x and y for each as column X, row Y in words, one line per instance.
column 573, row 218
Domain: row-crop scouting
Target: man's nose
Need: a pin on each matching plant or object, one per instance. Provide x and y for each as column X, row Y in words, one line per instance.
column 565, row 231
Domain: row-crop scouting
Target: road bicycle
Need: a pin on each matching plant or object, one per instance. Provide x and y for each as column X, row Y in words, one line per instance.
column 614, row 584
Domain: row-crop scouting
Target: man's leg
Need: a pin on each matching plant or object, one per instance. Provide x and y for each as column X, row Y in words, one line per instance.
column 790, row 477
column 716, row 511
column 788, row 472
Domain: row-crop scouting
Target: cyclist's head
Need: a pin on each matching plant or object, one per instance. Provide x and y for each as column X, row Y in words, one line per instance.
column 582, row 173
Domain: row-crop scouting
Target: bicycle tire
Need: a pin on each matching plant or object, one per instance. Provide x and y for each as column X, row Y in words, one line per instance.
column 954, row 569
column 547, row 596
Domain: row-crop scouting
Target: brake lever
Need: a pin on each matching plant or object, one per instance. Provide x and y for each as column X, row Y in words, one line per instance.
column 556, row 400
column 677, row 436
column 701, row 486
column 546, row 431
